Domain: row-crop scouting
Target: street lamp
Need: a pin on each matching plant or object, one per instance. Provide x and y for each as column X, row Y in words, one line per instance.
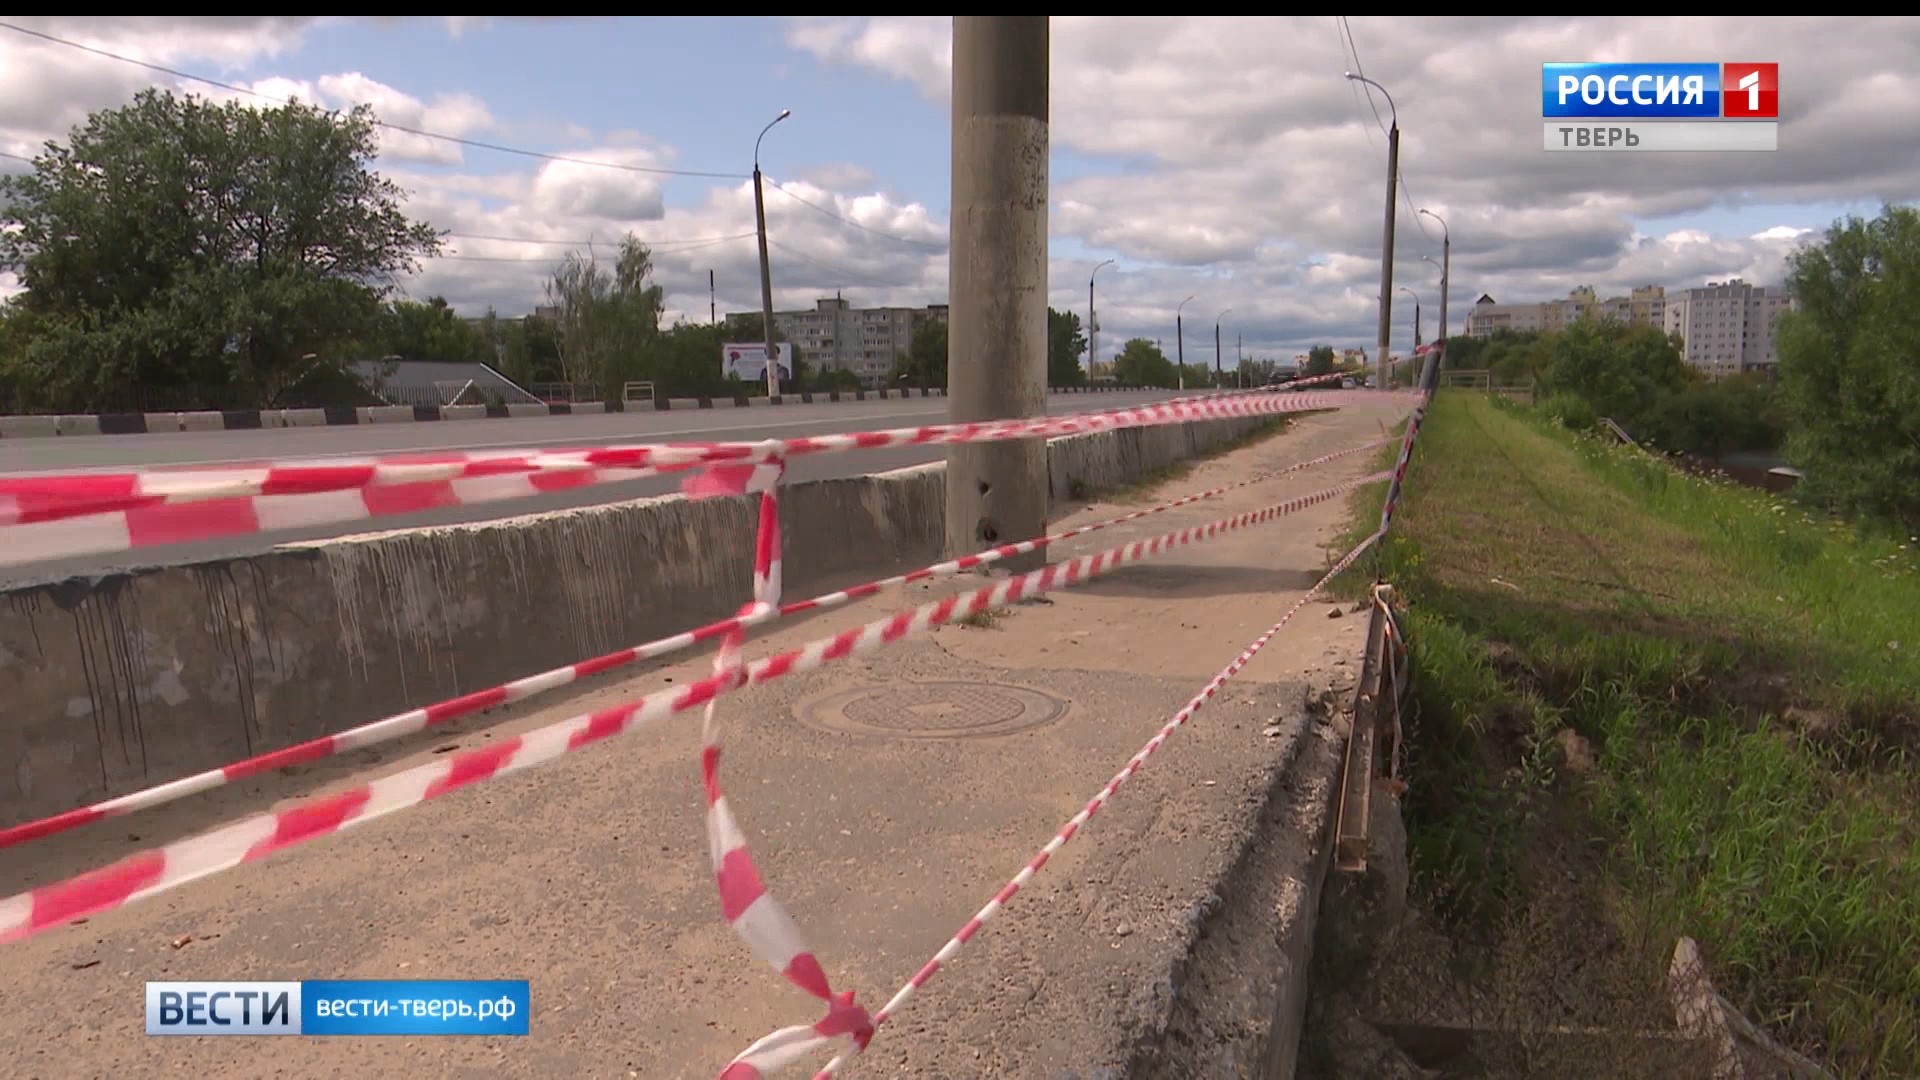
column 1180, row 341
column 1219, row 376
column 1386, row 244
column 766, row 272
column 1416, row 314
column 1446, row 270
column 1093, row 324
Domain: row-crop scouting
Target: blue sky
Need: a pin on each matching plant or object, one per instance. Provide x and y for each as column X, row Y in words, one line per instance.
column 1221, row 157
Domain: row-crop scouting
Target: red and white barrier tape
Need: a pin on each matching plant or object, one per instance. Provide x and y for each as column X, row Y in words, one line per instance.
column 44, row 517
column 1099, row 800
column 160, row 869
column 715, row 480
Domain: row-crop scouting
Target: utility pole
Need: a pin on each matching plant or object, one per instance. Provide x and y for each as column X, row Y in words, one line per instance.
column 1239, row 361
column 1386, row 242
column 1180, row 338
column 713, row 303
column 997, row 491
column 1219, row 375
column 766, row 272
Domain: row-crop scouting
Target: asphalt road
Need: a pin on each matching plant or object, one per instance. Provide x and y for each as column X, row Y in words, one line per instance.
column 116, row 452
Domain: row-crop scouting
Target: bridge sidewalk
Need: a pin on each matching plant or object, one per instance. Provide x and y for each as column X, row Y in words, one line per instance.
column 882, row 805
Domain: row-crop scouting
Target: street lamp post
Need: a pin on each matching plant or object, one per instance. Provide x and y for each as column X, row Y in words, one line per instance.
column 1093, row 326
column 1416, row 314
column 766, row 272
column 1180, row 341
column 1386, row 244
column 1219, row 376
column 1446, row 269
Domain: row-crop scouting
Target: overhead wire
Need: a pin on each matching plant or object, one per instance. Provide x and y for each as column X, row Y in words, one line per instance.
column 458, row 140
column 844, row 220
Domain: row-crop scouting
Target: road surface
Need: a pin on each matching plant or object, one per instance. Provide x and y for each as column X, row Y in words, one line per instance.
column 114, row 452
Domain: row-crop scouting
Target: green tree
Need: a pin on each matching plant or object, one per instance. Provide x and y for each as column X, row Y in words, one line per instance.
column 925, row 362
column 432, row 331
column 1065, row 343
column 608, row 316
column 175, row 242
column 1847, row 372
column 1621, row 371
column 1714, row 418
column 1141, row 363
column 1320, row 360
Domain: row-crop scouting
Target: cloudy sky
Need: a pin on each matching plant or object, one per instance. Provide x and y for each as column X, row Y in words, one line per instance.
column 1224, row 158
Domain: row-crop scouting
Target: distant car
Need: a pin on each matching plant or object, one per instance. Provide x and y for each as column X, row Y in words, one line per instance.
column 1349, row 384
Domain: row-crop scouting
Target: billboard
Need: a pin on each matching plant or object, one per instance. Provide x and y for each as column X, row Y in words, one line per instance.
column 748, row 360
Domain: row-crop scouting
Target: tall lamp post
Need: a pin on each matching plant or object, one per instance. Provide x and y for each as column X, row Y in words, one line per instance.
column 1386, row 244
column 1446, row 270
column 1180, row 341
column 1219, row 377
column 766, row 272
column 1416, row 314
column 1093, row 325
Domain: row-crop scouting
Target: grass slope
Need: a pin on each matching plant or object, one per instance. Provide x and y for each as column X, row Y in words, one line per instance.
column 1744, row 685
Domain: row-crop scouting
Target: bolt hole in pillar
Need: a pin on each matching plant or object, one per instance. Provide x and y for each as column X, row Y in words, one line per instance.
column 989, row 532
column 985, row 487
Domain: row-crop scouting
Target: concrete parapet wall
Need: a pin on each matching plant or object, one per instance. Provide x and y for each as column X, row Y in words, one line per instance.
column 113, row 684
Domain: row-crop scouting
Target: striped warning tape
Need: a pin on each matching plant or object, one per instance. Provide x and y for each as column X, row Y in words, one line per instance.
column 716, row 480
column 160, row 869
column 1099, row 800
column 45, row 517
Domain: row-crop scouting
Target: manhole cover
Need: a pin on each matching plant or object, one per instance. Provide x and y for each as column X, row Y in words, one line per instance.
column 937, row 710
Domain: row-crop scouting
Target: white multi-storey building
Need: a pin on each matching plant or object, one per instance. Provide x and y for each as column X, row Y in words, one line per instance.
column 1728, row 327
column 1646, row 307
column 865, row 341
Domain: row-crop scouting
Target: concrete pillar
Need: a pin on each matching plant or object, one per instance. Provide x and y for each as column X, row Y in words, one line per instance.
column 997, row 333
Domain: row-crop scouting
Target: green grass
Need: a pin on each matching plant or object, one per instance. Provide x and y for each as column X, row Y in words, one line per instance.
column 1747, row 677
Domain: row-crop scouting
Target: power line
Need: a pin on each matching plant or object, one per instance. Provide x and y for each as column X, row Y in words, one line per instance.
column 860, row 279
column 549, row 260
column 698, row 240
column 835, row 215
column 1400, row 174
column 455, row 139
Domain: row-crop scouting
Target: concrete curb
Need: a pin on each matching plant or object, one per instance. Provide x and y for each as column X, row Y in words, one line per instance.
column 129, row 679
column 29, row 427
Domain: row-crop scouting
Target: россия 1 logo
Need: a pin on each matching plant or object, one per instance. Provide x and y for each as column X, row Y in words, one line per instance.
column 1720, row 106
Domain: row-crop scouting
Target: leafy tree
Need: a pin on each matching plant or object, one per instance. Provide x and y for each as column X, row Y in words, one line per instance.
column 1713, row 418
column 433, row 331
column 925, row 362
column 178, row 242
column 1621, row 371
column 1065, row 343
column 1320, row 360
column 1141, row 363
column 608, row 315
column 1847, row 371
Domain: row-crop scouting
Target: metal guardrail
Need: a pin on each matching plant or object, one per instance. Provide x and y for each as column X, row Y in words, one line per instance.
column 1377, row 732
column 637, row 391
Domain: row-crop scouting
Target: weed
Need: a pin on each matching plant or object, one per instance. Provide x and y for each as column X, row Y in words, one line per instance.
column 1737, row 667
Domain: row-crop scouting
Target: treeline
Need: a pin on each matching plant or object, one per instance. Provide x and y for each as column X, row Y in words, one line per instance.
column 1844, row 407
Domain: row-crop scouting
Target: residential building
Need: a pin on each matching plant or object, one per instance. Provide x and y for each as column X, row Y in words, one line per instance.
column 865, row 341
column 1728, row 326
column 1645, row 307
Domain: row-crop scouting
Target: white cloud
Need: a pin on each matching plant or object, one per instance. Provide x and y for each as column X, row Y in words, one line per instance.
column 1218, row 156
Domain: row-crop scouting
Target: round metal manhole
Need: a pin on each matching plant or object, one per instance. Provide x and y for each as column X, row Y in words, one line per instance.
column 935, row 710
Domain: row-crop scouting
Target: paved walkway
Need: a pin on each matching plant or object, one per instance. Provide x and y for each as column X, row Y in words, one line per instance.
column 879, row 819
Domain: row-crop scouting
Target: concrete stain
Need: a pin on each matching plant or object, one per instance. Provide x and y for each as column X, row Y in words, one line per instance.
column 113, row 662
column 235, row 623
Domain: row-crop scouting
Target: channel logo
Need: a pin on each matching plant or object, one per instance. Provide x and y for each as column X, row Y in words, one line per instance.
column 1724, row 91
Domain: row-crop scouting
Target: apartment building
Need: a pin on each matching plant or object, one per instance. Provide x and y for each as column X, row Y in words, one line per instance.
column 865, row 341
column 1728, row 326
column 1645, row 307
